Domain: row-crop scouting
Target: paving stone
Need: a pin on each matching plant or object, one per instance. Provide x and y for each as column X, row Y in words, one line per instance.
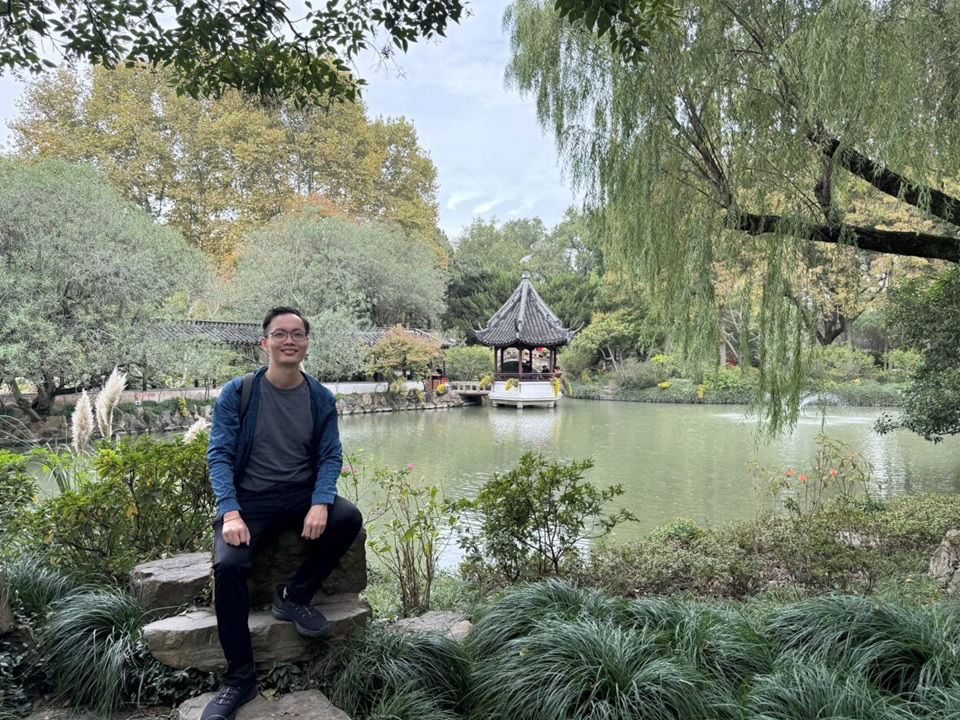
column 61, row 714
column 190, row 639
column 445, row 622
column 173, row 582
column 303, row 705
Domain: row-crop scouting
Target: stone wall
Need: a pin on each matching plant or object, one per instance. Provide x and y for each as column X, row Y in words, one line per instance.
column 16, row 429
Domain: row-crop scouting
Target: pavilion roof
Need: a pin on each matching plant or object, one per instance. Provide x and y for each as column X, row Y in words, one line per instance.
column 524, row 319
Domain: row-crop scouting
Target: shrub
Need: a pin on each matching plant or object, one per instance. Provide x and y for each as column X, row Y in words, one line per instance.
column 631, row 376
column 18, row 489
column 840, row 362
column 149, row 498
column 575, row 360
column 468, row 362
column 399, row 352
column 33, row 586
column 903, row 362
column 532, row 518
column 408, row 529
column 726, row 378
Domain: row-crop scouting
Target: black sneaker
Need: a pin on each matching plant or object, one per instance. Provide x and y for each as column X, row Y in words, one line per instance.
column 308, row 621
column 226, row 703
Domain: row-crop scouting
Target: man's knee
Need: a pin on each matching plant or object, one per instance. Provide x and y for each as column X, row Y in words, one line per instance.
column 233, row 560
column 351, row 520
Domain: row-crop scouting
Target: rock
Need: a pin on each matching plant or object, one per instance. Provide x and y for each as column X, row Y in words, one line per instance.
column 280, row 555
column 452, row 624
column 366, row 400
column 172, row 582
column 190, row 640
column 6, row 616
column 303, row 705
column 945, row 563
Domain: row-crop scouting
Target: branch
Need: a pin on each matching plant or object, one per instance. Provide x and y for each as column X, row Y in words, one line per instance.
column 943, row 206
column 895, row 242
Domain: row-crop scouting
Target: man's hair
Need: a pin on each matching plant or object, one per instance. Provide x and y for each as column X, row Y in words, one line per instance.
column 282, row 310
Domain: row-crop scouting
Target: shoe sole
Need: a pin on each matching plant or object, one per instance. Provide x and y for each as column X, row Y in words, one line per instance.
column 231, row 716
column 301, row 630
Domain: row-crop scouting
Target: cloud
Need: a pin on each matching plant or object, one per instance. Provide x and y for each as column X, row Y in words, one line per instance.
column 487, row 206
column 460, row 197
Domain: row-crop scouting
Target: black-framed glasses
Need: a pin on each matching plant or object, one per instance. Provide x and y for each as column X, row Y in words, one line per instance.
column 281, row 335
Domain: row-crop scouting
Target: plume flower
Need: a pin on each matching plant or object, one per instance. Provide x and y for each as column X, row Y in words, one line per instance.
column 82, row 423
column 198, row 426
column 107, row 400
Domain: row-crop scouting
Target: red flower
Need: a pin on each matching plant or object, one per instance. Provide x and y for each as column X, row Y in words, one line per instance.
column 789, row 473
column 833, row 472
column 802, row 478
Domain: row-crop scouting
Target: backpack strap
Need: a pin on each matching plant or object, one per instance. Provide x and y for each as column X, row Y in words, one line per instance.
column 245, row 387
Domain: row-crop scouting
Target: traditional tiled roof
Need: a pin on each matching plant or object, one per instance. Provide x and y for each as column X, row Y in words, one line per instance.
column 524, row 319
column 232, row 333
column 238, row 333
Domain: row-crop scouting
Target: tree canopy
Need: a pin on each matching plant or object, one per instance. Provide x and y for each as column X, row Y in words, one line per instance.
column 217, row 168
column 262, row 48
column 374, row 271
column 757, row 125
column 82, row 275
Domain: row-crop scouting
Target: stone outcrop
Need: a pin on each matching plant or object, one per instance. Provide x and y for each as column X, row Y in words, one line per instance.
column 389, row 402
column 6, row 616
column 279, row 556
column 945, row 563
column 452, row 624
column 171, row 583
column 190, row 640
column 303, row 705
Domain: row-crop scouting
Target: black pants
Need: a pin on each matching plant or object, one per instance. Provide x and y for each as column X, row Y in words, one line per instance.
column 264, row 513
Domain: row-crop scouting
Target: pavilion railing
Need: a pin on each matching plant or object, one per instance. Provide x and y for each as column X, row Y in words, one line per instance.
column 526, row 376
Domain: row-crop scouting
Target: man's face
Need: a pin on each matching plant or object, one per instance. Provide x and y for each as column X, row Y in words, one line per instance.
column 286, row 341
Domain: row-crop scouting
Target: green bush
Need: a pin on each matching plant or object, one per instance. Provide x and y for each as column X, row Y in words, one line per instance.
column 468, row 362
column 148, row 498
column 904, row 362
column 18, row 489
column 575, row 360
column 532, row 518
column 841, row 362
column 726, row 377
column 631, row 376
column 33, row 585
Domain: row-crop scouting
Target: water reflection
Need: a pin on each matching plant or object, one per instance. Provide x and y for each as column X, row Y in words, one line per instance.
column 673, row 460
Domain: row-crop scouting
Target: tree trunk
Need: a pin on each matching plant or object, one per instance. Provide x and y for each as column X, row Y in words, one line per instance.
column 21, row 401
column 43, row 403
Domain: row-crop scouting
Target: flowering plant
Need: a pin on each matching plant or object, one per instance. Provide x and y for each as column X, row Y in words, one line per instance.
column 442, row 389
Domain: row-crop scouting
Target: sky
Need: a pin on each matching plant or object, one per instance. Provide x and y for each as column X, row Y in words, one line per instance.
column 493, row 160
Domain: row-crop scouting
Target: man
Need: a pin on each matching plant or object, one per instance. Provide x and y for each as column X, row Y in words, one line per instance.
column 274, row 460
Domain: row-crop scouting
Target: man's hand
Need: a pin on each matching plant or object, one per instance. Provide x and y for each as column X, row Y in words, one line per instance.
column 315, row 522
column 235, row 530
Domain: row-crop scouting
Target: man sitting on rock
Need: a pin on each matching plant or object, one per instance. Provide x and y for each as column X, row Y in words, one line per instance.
column 274, row 460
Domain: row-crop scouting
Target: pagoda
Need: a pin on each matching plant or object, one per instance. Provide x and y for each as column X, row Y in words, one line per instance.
column 525, row 336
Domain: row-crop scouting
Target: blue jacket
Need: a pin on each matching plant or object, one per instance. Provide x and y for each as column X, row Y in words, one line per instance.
column 230, row 442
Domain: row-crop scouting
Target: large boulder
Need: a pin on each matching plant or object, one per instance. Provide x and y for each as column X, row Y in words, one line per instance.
column 442, row 622
column 171, row 583
column 945, row 563
column 190, row 640
column 303, row 705
column 6, row 616
column 281, row 553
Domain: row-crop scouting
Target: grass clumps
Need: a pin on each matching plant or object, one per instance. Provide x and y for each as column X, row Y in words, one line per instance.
column 555, row 651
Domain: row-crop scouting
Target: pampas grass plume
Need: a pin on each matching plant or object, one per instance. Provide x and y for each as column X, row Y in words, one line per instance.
column 198, row 426
column 82, row 423
column 107, row 400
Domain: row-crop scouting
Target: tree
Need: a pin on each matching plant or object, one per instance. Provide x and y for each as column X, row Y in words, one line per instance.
column 82, row 276
column 925, row 316
column 398, row 353
column 739, row 127
column 260, row 48
column 472, row 299
column 374, row 271
column 215, row 169
column 336, row 351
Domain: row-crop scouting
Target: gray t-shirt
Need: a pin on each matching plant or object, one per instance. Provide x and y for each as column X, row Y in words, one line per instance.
column 280, row 453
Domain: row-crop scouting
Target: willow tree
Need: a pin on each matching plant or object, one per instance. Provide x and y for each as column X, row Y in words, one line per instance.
column 747, row 125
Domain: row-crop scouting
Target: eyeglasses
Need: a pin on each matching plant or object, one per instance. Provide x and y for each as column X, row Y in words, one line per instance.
column 281, row 335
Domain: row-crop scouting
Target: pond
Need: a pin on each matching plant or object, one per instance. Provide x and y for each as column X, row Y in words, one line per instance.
column 694, row 461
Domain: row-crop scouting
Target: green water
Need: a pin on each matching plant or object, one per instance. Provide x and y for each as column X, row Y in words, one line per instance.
column 673, row 461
